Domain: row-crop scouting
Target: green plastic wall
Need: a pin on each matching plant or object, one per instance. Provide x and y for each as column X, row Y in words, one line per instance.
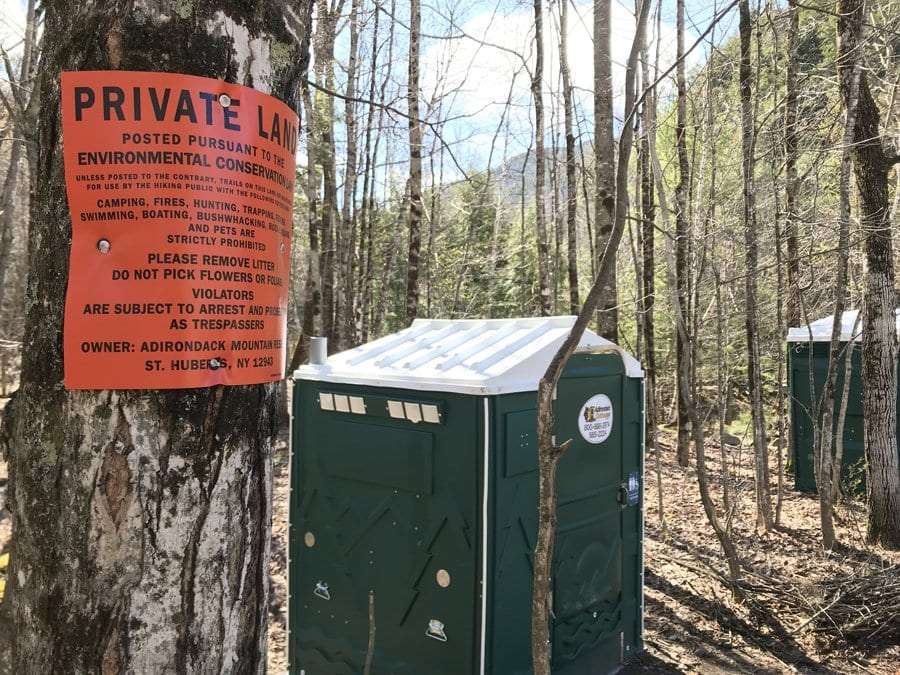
column 390, row 503
column 802, row 405
column 597, row 563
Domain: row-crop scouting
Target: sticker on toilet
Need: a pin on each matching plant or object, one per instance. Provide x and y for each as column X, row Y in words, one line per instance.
column 596, row 419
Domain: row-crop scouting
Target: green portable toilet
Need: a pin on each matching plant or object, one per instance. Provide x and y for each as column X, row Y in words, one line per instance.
column 414, row 476
column 807, row 350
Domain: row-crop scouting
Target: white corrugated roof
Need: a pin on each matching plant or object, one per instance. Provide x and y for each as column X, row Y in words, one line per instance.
column 821, row 329
column 472, row 356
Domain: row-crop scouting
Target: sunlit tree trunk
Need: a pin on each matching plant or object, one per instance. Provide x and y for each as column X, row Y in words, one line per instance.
column 571, row 164
column 369, row 307
column 823, row 452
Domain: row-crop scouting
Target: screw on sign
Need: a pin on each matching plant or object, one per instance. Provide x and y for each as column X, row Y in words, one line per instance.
column 194, row 179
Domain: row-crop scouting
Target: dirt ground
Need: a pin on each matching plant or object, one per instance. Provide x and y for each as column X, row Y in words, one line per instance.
column 692, row 623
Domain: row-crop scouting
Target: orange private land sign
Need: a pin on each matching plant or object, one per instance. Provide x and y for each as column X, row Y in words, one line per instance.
column 180, row 190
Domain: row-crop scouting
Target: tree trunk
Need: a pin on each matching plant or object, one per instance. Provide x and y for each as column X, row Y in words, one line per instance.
column 648, row 282
column 415, row 165
column 387, row 266
column 347, row 252
column 368, row 312
column 879, row 348
column 792, row 185
column 754, row 376
column 326, row 26
column 312, row 292
column 363, row 288
column 571, row 177
column 604, row 163
column 141, row 519
column 682, row 272
column 537, row 95
column 842, row 413
column 22, row 121
column 7, row 199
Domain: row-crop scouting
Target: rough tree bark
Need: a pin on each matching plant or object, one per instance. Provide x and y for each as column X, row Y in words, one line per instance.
column 604, row 167
column 540, row 221
column 754, row 375
column 549, row 453
column 415, row 164
column 682, row 272
column 879, row 348
column 141, row 519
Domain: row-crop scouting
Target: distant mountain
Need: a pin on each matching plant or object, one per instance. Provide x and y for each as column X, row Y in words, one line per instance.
column 507, row 178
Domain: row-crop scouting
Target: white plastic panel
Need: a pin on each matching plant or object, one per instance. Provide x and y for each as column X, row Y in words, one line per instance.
column 478, row 356
column 820, row 330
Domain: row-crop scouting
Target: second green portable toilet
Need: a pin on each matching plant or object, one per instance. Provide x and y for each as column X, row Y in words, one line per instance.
column 414, row 487
column 807, row 352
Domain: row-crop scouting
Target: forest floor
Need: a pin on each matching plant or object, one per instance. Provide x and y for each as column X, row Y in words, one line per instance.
column 692, row 622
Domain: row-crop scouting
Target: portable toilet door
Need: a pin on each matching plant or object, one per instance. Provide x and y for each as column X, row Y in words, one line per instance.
column 414, row 476
column 598, row 558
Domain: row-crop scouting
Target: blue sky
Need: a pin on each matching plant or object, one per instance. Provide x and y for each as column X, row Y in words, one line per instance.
column 483, row 77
